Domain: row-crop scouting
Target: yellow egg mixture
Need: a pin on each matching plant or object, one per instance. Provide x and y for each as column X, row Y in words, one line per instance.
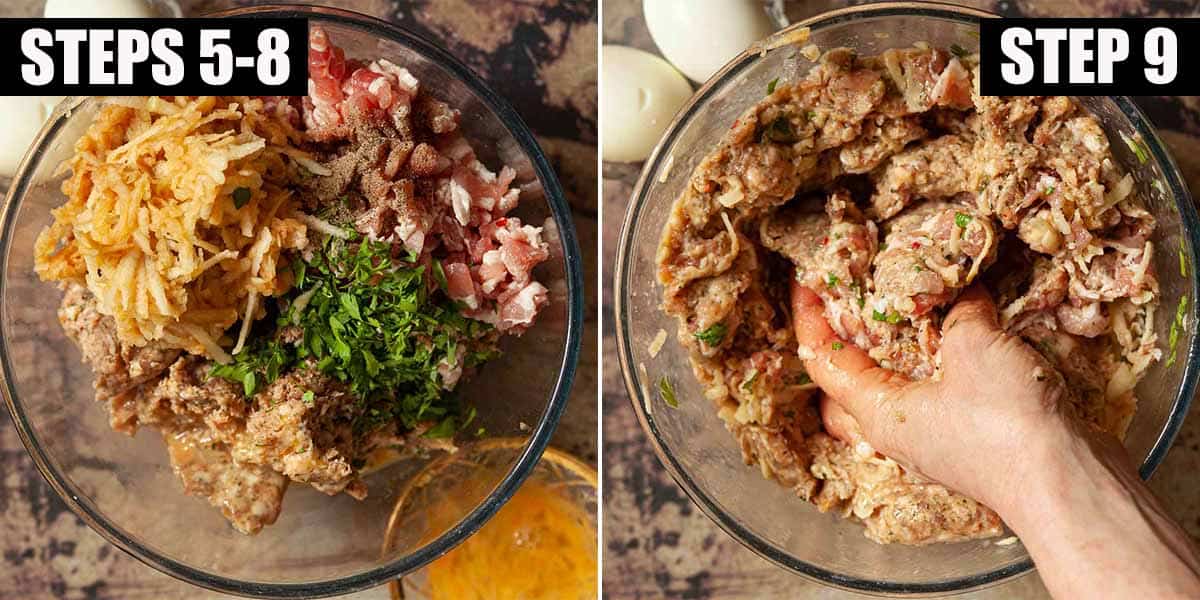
column 539, row 545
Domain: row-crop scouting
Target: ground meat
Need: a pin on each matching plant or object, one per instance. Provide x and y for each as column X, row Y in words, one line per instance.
column 895, row 506
column 924, row 266
column 118, row 367
column 250, row 496
column 934, row 170
column 1021, row 193
column 303, row 427
column 187, row 399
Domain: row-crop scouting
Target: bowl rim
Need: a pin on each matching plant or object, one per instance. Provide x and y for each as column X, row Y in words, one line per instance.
column 639, row 196
column 539, row 436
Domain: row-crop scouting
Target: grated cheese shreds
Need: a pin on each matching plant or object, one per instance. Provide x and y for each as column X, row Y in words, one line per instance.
column 151, row 226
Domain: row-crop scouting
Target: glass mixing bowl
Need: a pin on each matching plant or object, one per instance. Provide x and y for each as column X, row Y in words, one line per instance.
column 124, row 487
column 691, row 441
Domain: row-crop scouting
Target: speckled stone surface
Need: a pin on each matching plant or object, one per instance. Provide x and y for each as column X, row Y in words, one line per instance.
column 540, row 55
column 657, row 543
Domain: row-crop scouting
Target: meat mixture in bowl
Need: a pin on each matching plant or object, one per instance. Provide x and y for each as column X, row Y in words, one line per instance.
column 288, row 287
column 887, row 185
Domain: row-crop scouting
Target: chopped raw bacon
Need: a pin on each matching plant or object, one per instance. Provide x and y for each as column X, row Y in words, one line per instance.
column 460, row 286
column 518, row 310
column 454, row 208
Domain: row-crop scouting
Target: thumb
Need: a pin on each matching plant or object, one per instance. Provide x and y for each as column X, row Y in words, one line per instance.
column 971, row 325
column 844, row 371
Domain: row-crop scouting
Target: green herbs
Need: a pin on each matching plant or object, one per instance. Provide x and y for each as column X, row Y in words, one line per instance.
column 258, row 364
column 958, row 51
column 1182, row 260
column 859, row 298
column 374, row 324
column 1177, row 326
column 241, row 196
column 1048, row 190
column 439, row 275
column 802, row 379
column 832, row 280
column 712, row 335
column 309, row 398
column 779, row 131
column 748, row 384
column 838, row 345
column 666, row 391
column 884, row 317
column 771, row 86
column 962, row 219
column 1137, row 148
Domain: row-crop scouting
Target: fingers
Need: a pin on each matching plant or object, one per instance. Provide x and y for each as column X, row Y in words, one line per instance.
column 843, row 370
column 839, row 423
column 972, row 320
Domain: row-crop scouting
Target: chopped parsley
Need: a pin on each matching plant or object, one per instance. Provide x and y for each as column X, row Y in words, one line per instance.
column 832, row 280
column 1049, row 190
column 771, row 85
column 1182, row 260
column 666, row 391
column 1138, row 148
column 379, row 326
column 885, row 317
column 859, row 298
column 241, row 196
column 749, row 382
column 958, row 51
column 780, row 131
column 838, row 345
column 712, row 335
column 309, row 398
column 962, row 219
column 1177, row 326
column 439, row 275
column 803, row 379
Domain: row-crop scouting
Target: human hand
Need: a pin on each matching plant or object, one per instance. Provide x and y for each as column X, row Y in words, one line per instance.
column 995, row 409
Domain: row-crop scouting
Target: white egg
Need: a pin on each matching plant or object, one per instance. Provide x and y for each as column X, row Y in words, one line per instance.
column 700, row 36
column 99, row 9
column 641, row 94
column 23, row 118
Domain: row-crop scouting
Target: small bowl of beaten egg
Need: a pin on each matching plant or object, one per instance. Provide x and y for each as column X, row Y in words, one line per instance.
column 541, row 544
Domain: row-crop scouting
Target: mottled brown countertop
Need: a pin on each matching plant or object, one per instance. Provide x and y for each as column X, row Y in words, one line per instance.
column 657, row 543
column 540, row 55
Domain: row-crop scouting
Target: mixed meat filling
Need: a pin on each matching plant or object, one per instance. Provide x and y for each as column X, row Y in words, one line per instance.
column 401, row 270
column 888, row 185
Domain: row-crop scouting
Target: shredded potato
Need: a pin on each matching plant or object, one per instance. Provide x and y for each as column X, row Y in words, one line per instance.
column 151, row 225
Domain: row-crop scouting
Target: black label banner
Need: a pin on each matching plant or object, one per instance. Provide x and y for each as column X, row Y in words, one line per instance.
column 233, row 56
column 1131, row 57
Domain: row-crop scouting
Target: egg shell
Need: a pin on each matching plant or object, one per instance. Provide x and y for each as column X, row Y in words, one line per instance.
column 700, row 36
column 640, row 95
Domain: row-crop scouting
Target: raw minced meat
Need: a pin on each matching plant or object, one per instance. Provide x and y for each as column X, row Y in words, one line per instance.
column 887, row 185
column 404, row 270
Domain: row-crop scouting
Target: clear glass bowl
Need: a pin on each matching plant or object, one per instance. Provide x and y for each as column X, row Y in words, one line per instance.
column 691, row 441
column 459, row 473
column 320, row 546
